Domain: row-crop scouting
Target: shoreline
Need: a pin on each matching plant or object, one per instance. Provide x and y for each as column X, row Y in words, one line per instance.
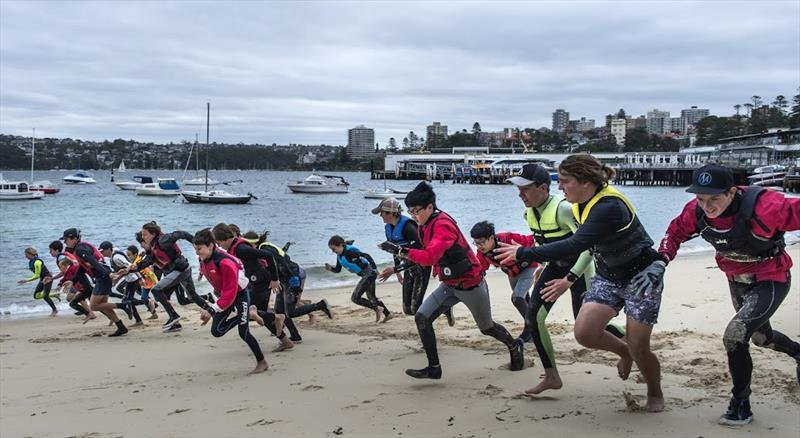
column 348, row 373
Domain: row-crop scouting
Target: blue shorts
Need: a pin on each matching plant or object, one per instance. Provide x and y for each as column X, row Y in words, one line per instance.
column 102, row 286
column 637, row 307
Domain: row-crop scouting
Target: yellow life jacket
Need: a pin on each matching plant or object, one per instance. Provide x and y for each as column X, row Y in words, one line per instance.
column 607, row 191
column 277, row 248
column 544, row 225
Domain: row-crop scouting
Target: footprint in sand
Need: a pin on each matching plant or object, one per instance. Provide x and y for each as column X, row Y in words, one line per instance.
column 313, row 388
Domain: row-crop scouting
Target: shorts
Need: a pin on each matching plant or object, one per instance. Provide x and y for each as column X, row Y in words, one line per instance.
column 102, row 286
column 637, row 307
column 301, row 273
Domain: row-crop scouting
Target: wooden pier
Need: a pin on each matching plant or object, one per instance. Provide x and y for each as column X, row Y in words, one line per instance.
column 667, row 176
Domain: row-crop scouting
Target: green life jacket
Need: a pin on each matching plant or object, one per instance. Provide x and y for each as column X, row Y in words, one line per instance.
column 544, row 224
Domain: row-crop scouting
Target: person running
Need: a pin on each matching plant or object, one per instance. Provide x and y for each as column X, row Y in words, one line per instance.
column 402, row 230
column 549, row 217
column 68, row 266
column 520, row 274
column 361, row 264
column 42, row 274
column 226, row 275
column 163, row 251
column 91, row 264
column 147, row 279
column 623, row 252
column 461, row 280
column 261, row 269
column 745, row 225
column 129, row 284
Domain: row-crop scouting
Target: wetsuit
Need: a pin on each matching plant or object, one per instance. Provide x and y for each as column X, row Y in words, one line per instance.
column 285, row 300
column 621, row 247
column 459, row 271
column 551, row 222
column 91, row 263
column 223, row 273
column 520, row 274
column 165, row 254
column 128, row 286
column 82, row 286
column 260, row 268
column 40, row 272
column 748, row 238
column 361, row 264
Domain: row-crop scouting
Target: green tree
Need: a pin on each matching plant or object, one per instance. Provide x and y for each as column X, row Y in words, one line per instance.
column 636, row 140
column 737, row 107
column 621, row 114
column 392, row 144
column 781, row 103
column 794, row 116
column 476, row 128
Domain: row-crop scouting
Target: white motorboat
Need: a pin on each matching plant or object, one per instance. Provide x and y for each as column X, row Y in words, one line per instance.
column 767, row 176
column 17, row 191
column 79, row 177
column 385, row 193
column 320, row 184
column 134, row 183
column 44, row 186
column 200, row 181
column 215, row 197
column 162, row 187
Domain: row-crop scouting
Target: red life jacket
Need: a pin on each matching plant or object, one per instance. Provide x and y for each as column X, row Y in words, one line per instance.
column 239, row 241
column 69, row 274
column 164, row 257
column 97, row 255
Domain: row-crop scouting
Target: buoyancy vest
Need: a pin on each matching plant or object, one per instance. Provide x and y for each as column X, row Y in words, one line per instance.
column 258, row 269
column 739, row 243
column 394, row 233
column 510, row 270
column 114, row 266
column 455, row 262
column 212, row 274
column 353, row 266
column 169, row 258
column 544, row 225
column 95, row 252
column 619, row 256
column 32, row 266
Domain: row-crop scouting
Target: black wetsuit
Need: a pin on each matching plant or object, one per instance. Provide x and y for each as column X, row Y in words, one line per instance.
column 367, row 270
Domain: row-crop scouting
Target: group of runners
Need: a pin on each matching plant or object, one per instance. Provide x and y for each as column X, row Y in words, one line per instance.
column 589, row 241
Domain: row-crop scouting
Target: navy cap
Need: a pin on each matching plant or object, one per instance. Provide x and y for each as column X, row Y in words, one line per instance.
column 711, row 179
column 71, row 232
column 532, row 173
column 105, row 245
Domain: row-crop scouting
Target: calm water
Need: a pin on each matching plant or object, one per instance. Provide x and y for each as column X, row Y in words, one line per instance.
column 103, row 212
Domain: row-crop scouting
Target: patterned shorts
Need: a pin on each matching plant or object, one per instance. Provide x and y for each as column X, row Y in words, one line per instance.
column 637, row 307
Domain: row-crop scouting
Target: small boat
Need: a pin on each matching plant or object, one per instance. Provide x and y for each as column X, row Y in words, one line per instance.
column 17, row 191
column 79, row 177
column 215, row 197
column 385, row 193
column 767, row 176
column 320, row 184
column 162, row 187
column 134, row 183
column 122, row 167
column 200, row 181
column 44, row 186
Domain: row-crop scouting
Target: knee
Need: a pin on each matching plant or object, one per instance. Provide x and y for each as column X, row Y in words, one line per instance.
column 94, row 306
column 586, row 336
column 735, row 336
column 407, row 310
column 761, row 339
column 519, row 302
column 638, row 349
column 422, row 320
column 216, row 333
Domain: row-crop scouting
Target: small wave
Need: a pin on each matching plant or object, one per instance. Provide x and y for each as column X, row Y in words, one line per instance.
column 14, row 310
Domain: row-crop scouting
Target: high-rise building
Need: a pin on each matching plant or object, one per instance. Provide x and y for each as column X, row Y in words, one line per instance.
column 678, row 124
column 618, row 130
column 694, row 115
column 560, row 120
column 585, row 125
column 436, row 135
column 658, row 122
column 639, row 122
column 360, row 142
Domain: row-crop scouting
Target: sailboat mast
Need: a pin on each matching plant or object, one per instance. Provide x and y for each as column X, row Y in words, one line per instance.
column 33, row 151
column 208, row 123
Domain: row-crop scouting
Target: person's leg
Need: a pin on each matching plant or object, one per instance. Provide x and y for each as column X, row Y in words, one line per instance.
column 280, row 309
column 44, row 289
column 638, row 339
column 520, row 296
column 409, row 282
column 180, row 294
column 99, row 301
column 357, row 296
column 373, row 298
column 242, row 311
column 601, row 303
column 187, row 282
column 535, row 319
column 577, row 291
column 433, row 306
column 168, row 282
column 130, row 297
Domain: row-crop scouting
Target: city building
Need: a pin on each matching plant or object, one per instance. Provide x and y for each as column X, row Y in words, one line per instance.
column 694, row 115
column 678, row 124
column 560, row 120
column 639, row 122
column 436, row 135
column 618, row 128
column 360, row 142
column 658, row 122
column 584, row 124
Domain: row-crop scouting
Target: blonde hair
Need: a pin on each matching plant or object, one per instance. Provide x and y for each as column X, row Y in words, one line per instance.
column 31, row 251
column 587, row 168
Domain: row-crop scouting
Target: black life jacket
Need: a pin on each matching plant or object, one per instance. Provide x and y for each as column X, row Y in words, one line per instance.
column 455, row 261
column 114, row 266
column 739, row 243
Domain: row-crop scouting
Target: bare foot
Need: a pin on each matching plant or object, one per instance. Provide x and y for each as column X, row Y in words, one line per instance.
column 286, row 344
column 153, row 316
column 260, row 367
column 624, row 367
column 655, row 403
column 54, row 313
column 89, row 317
column 387, row 317
column 545, row 384
column 378, row 313
column 311, row 318
column 137, row 324
column 255, row 316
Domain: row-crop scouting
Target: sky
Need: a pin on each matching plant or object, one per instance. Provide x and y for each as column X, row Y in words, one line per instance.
column 305, row 72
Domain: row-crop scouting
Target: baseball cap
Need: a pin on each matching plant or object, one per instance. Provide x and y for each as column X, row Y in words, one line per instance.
column 711, row 179
column 105, row 245
column 532, row 173
column 71, row 232
column 389, row 205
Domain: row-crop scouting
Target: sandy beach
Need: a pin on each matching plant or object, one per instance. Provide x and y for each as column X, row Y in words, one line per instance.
column 62, row 378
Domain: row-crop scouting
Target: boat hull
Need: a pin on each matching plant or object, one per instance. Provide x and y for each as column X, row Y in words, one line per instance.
column 21, row 196
column 301, row 188
column 127, row 185
column 204, row 198
column 69, row 180
column 143, row 191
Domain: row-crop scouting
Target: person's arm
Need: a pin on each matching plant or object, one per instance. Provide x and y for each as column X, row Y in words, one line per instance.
column 565, row 218
column 484, row 261
column 145, row 262
column 444, row 236
column 359, row 254
column 680, row 229
column 229, row 275
column 168, row 239
column 86, row 254
column 245, row 252
column 37, row 271
column 337, row 268
column 776, row 213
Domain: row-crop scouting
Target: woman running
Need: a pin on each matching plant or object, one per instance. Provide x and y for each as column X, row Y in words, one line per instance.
column 41, row 273
column 361, row 264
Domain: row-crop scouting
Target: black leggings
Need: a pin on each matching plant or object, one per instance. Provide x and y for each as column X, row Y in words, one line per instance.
column 128, row 291
column 755, row 303
column 367, row 286
column 259, row 297
column 85, row 294
column 171, row 280
column 220, row 324
column 281, row 308
column 44, row 289
column 538, row 309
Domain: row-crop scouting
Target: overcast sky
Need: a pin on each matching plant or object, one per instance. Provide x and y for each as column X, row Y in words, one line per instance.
column 289, row 72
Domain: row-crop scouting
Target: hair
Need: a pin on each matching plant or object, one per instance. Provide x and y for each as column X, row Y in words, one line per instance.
column 235, row 228
column 57, row 245
column 483, row 229
column 204, row 237
column 139, row 237
column 336, row 240
column 133, row 250
column 421, row 196
column 251, row 235
column 222, row 231
column 152, row 228
column 587, row 168
column 31, row 251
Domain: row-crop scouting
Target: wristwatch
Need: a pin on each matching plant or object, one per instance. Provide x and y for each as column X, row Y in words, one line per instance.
column 572, row 278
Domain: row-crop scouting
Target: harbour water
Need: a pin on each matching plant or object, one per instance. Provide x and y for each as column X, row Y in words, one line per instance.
column 103, row 212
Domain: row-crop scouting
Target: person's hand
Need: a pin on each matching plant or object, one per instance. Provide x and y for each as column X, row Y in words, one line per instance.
column 47, row 280
column 131, row 267
column 646, row 282
column 506, row 253
column 205, row 316
column 328, row 267
column 275, row 286
column 385, row 273
column 554, row 289
column 392, row 248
